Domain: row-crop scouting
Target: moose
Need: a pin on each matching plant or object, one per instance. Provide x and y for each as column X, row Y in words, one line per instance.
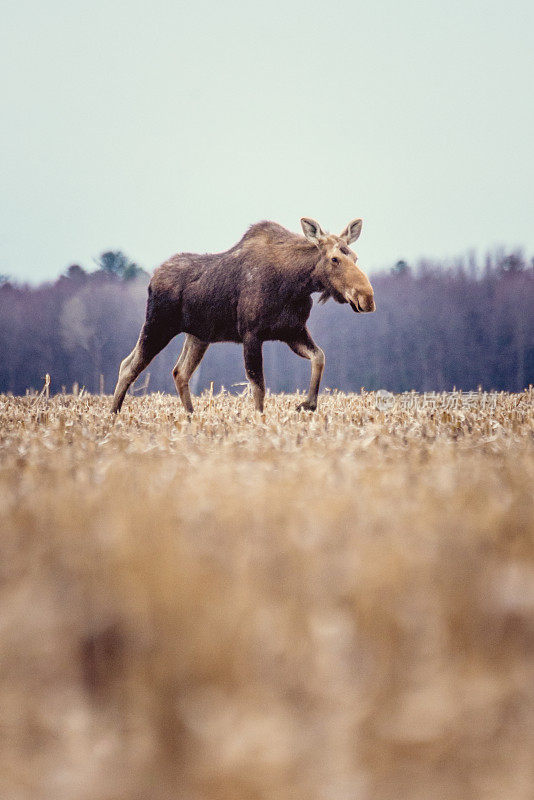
column 258, row 290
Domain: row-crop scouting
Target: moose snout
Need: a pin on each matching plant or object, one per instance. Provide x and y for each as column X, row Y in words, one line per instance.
column 366, row 302
column 362, row 302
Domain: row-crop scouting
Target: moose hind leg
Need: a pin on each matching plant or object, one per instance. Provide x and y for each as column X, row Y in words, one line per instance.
column 190, row 357
column 148, row 345
column 129, row 369
column 304, row 346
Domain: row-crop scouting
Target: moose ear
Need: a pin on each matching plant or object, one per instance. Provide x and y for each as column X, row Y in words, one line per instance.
column 352, row 231
column 312, row 230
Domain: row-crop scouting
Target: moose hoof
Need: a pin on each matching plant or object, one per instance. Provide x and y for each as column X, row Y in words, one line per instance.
column 306, row 406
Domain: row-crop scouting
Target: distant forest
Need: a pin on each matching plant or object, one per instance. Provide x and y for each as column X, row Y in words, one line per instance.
column 437, row 326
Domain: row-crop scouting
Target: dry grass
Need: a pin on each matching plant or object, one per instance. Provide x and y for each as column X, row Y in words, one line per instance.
column 328, row 607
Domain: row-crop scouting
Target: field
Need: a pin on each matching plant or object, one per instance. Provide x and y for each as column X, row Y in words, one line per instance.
column 336, row 606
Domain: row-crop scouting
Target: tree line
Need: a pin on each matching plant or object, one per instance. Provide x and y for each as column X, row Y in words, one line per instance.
column 437, row 326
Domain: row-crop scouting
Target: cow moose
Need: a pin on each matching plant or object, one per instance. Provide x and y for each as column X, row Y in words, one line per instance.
column 257, row 291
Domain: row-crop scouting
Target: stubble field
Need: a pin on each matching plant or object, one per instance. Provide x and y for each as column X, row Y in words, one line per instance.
column 336, row 606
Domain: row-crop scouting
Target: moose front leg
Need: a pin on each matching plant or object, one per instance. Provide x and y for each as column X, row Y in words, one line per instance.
column 254, row 368
column 304, row 346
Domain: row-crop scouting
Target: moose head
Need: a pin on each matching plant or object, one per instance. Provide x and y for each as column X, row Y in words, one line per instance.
column 337, row 270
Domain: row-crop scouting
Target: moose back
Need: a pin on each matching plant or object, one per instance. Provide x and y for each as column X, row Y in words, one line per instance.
column 259, row 290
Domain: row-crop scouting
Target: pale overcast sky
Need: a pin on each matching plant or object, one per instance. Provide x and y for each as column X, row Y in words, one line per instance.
column 161, row 126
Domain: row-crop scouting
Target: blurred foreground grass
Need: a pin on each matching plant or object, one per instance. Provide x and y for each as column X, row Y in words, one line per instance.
column 336, row 606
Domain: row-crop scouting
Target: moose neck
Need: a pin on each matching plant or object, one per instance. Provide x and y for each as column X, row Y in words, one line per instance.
column 306, row 267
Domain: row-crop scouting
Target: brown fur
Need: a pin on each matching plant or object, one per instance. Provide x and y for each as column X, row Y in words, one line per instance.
column 258, row 290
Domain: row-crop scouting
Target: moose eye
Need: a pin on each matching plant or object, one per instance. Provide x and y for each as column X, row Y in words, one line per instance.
column 335, row 260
